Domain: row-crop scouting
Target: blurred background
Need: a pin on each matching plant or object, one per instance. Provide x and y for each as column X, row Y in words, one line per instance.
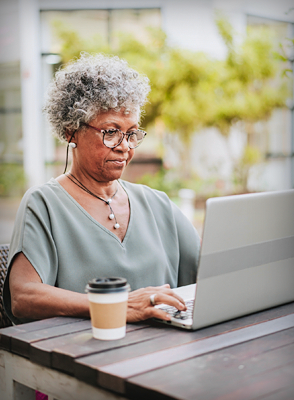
column 220, row 119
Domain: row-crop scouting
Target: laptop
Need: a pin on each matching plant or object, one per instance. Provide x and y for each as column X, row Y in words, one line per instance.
column 246, row 260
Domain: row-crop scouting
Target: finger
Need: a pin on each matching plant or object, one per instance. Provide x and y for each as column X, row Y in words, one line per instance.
column 179, row 298
column 170, row 292
column 166, row 285
column 160, row 314
column 170, row 300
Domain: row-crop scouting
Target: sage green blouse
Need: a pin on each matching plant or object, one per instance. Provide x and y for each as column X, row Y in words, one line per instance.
column 67, row 247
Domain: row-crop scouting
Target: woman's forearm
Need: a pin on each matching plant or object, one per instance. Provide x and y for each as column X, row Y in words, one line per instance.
column 32, row 299
column 38, row 301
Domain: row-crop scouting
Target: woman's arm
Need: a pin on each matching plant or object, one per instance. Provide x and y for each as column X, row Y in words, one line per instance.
column 32, row 299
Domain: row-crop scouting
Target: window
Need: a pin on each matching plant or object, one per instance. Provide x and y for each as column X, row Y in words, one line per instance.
column 274, row 137
column 104, row 24
column 10, row 113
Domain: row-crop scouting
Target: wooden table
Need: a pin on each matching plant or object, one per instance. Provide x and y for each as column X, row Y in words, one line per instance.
column 247, row 358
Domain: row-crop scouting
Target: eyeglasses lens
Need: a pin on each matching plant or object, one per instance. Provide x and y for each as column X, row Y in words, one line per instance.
column 113, row 137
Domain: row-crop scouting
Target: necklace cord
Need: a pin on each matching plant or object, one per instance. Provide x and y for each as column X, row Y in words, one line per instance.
column 81, row 186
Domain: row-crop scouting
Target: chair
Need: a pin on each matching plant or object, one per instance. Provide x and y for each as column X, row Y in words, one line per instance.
column 4, row 250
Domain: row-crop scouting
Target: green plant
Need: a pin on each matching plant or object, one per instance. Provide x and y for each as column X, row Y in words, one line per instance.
column 170, row 182
column 12, row 180
column 190, row 90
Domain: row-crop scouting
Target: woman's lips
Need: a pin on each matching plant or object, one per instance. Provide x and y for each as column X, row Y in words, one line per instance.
column 119, row 162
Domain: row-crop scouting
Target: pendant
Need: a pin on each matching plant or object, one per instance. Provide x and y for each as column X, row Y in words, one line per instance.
column 116, row 226
column 111, row 216
column 109, row 201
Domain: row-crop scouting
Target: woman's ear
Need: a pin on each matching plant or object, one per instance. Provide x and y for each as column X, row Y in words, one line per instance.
column 68, row 135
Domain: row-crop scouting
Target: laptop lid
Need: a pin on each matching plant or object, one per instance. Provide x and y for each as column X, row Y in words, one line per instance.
column 247, row 256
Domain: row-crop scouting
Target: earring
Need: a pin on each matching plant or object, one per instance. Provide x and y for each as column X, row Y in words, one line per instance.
column 72, row 145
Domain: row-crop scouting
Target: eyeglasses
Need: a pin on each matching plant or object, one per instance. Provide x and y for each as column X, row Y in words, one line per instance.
column 113, row 137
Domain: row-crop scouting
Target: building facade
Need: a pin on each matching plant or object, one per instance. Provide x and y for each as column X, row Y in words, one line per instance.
column 29, row 54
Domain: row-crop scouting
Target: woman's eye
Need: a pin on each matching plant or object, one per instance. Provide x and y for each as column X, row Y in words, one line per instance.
column 111, row 133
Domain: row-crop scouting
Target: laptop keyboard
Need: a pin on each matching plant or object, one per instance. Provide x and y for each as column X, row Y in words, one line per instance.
column 175, row 313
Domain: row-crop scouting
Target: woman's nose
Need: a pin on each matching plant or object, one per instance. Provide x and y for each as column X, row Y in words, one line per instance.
column 124, row 145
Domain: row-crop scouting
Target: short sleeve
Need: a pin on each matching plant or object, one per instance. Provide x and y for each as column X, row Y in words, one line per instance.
column 33, row 237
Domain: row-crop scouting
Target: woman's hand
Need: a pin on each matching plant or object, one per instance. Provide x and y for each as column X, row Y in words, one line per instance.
column 140, row 307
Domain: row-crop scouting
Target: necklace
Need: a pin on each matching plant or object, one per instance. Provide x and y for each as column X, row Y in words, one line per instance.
column 72, row 178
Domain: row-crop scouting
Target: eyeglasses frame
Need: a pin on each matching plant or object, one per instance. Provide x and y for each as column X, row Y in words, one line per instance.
column 104, row 131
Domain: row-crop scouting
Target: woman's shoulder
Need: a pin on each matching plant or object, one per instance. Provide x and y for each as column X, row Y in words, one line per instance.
column 43, row 192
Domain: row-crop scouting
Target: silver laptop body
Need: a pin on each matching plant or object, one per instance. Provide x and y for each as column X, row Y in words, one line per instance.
column 247, row 258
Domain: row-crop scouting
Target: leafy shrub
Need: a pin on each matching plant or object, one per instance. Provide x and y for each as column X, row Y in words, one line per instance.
column 12, row 180
column 170, row 182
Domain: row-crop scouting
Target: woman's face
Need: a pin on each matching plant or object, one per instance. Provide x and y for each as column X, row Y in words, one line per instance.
column 92, row 158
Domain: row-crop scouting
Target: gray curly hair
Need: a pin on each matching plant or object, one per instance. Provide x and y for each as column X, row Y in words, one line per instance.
column 90, row 85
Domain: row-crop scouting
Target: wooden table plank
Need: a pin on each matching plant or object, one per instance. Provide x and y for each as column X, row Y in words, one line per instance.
column 63, row 357
column 41, row 351
column 256, row 387
column 87, row 368
column 21, row 343
column 244, row 371
column 71, row 348
column 7, row 333
column 113, row 376
column 285, row 393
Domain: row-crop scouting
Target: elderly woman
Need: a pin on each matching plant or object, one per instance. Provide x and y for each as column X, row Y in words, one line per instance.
column 88, row 223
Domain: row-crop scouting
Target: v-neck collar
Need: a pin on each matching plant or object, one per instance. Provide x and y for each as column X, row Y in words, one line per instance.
column 89, row 216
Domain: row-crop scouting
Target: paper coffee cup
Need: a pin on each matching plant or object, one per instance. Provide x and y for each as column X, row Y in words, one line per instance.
column 108, row 298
